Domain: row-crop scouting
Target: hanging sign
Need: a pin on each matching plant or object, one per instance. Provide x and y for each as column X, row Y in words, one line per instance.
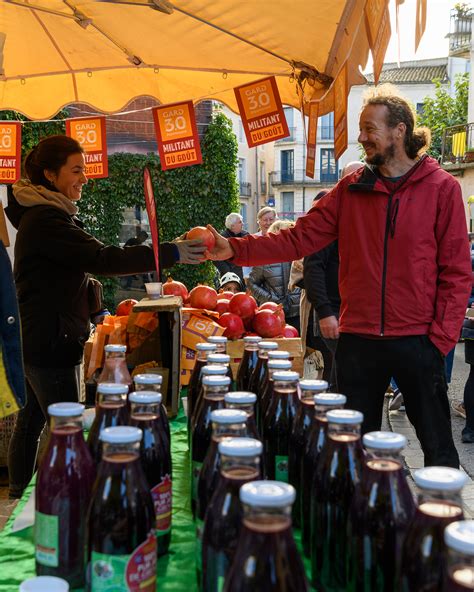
column 152, row 220
column 176, row 132
column 312, row 133
column 377, row 21
column 340, row 113
column 261, row 111
column 10, row 151
column 90, row 133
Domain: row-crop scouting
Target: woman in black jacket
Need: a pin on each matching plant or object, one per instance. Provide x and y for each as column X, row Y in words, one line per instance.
column 53, row 259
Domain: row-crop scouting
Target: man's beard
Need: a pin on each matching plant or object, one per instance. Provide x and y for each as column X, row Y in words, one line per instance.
column 381, row 158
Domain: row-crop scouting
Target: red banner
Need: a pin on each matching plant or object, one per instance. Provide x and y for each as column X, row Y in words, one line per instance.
column 90, row 133
column 377, row 21
column 312, row 133
column 177, row 135
column 261, row 111
column 152, row 220
column 10, row 151
column 340, row 113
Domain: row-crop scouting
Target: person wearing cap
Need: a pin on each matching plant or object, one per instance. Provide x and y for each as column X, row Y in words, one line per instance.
column 231, row 282
column 233, row 228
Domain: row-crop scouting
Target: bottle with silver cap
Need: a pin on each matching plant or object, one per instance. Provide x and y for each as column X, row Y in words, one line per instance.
column 221, row 360
column 226, row 423
column 278, row 424
column 266, row 392
column 153, row 382
column 62, row 495
column 240, row 464
column 220, row 341
column 155, row 454
column 202, row 351
column 381, row 511
column 248, row 362
column 439, row 504
column 115, row 365
column 111, row 411
column 44, row 584
column 338, row 473
column 215, row 387
column 208, row 370
column 122, row 541
column 266, row 542
column 459, row 570
column 245, row 402
column 299, row 433
column 273, row 355
column 323, row 402
column 264, row 347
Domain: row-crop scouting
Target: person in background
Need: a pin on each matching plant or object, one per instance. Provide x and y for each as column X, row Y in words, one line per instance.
column 230, row 282
column 269, row 283
column 233, row 228
column 53, row 258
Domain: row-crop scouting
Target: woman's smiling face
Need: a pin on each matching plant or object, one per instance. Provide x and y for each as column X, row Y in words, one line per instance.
column 71, row 177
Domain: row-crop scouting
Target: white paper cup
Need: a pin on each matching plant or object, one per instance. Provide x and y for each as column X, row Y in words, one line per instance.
column 154, row 290
column 44, row 584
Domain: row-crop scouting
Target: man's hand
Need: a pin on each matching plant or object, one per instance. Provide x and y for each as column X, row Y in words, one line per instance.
column 329, row 327
column 190, row 251
column 222, row 249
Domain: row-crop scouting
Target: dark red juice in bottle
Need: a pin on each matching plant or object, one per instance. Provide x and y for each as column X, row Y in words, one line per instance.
column 224, row 361
column 244, row 401
column 240, row 463
column 194, row 386
column 266, row 558
column 115, row 368
column 264, row 347
column 248, row 362
column 337, row 474
column 207, row 370
column 153, row 382
column 316, row 438
column 278, row 424
column 424, row 550
column 121, row 523
column 266, row 392
column 155, row 455
column 299, row 434
column 215, row 387
column 111, row 411
column 381, row 511
column 459, row 540
column 63, row 491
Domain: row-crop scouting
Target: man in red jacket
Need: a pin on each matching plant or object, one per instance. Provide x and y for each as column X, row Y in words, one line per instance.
column 405, row 271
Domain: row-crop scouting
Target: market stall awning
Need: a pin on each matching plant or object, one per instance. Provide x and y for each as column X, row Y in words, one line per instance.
column 105, row 53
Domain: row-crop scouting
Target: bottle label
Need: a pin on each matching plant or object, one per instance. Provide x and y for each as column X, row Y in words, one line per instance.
column 281, row 468
column 162, row 498
column 47, row 539
column 199, row 533
column 196, row 469
column 126, row 573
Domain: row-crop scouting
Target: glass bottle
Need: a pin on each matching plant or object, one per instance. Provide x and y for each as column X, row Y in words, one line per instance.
column 381, row 511
column 266, row 393
column 266, row 557
column 121, row 524
column 264, row 347
column 316, row 438
column 459, row 540
column 298, row 437
column 220, row 341
column 337, row 474
column 240, row 463
column 221, row 360
column 208, row 370
column 226, row 423
column 115, row 366
column 215, row 387
column 278, row 424
column 273, row 355
column 62, row 495
column 155, row 454
column 439, row 504
column 248, row 362
column 153, row 382
column 202, row 351
column 245, row 402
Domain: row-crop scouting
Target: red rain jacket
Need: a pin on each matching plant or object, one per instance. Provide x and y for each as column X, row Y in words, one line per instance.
column 405, row 266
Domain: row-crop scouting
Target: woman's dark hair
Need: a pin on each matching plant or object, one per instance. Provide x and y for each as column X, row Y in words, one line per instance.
column 49, row 154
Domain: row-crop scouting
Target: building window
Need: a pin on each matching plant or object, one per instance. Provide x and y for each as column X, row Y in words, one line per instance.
column 328, row 167
column 287, row 160
column 287, row 205
column 242, row 170
column 420, row 107
column 241, row 131
column 243, row 213
column 327, row 126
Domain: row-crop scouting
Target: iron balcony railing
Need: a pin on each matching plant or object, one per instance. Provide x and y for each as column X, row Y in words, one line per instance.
column 245, row 189
column 460, row 30
column 458, row 144
column 298, row 177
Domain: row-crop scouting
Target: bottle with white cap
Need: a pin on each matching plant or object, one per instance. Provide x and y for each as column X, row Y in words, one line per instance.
column 153, row 382
column 221, row 360
column 207, row 370
column 44, row 584
column 299, row 433
column 278, row 423
column 203, row 349
column 439, row 504
column 264, row 347
column 115, row 365
column 122, row 541
column 459, row 540
column 266, row 542
column 338, row 473
column 155, row 455
column 62, row 495
column 323, row 402
column 240, row 464
column 214, row 387
column 220, row 341
column 248, row 362
column 244, row 402
column 266, row 391
column 381, row 511
column 111, row 411
column 226, row 423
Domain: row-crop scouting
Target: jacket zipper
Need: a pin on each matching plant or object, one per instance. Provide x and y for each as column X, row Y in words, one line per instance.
column 384, row 269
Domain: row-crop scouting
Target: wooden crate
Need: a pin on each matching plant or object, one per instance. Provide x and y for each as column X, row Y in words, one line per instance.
column 235, row 349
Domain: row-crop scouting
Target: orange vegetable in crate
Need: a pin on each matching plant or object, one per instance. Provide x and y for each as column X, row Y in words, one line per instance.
column 125, row 307
column 204, row 235
column 203, row 297
column 172, row 287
